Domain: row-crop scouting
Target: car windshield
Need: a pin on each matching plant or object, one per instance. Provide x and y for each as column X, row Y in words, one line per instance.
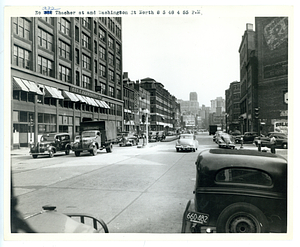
column 88, row 134
column 186, row 137
column 48, row 137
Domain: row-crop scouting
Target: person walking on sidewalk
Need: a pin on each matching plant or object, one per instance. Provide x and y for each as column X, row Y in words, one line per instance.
column 259, row 144
column 272, row 144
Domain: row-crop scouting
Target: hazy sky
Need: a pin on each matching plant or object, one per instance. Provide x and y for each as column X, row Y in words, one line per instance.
column 188, row 53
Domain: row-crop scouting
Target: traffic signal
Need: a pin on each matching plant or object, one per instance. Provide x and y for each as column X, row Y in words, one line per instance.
column 143, row 118
column 256, row 112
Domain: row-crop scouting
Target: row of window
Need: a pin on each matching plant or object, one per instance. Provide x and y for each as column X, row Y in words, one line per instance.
column 22, row 58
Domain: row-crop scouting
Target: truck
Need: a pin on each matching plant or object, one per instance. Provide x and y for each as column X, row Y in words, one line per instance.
column 213, row 129
column 94, row 136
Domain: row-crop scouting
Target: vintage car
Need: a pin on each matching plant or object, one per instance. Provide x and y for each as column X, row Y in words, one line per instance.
column 225, row 140
column 238, row 191
column 217, row 135
column 50, row 144
column 128, row 139
column 48, row 220
column 247, row 137
column 281, row 140
column 186, row 142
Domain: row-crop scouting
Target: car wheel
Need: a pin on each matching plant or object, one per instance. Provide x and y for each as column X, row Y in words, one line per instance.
column 51, row 153
column 109, row 149
column 94, row 152
column 77, row 153
column 194, row 150
column 284, row 145
column 242, row 218
column 177, row 149
column 34, row 156
column 67, row 151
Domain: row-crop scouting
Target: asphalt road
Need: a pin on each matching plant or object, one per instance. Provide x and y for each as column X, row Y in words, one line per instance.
column 134, row 190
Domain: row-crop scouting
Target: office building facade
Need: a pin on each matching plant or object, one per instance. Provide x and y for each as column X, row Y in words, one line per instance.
column 64, row 70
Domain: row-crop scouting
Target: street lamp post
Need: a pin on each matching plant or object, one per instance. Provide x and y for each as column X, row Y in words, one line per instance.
column 145, row 112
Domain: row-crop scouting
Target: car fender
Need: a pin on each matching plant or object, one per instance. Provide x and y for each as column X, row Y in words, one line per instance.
column 51, row 148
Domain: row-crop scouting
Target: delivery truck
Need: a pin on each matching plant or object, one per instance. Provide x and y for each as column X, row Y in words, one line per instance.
column 94, row 136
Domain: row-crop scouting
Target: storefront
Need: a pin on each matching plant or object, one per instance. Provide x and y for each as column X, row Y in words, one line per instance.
column 38, row 109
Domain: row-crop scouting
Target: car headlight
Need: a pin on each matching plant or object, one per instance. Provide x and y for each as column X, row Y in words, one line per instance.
column 47, row 146
column 32, row 146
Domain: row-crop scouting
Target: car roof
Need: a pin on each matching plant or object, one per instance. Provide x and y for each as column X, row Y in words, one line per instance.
column 215, row 159
column 210, row 161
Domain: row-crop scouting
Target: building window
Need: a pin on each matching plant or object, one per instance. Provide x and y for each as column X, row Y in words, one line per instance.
column 95, row 46
column 22, row 57
column 118, row 63
column 102, row 70
column 45, row 66
column 77, row 78
column 86, row 82
column 86, row 41
column 49, row 20
column 86, row 62
column 22, row 27
column 64, row 73
column 118, row 79
column 102, row 88
column 95, row 66
column 76, row 33
column 118, row 93
column 102, row 53
column 95, row 27
column 77, row 56
column 102, row 34
column 111, row 91
column 110, row 43
column 86, row 22
column 111, row 75
column 64, row 26
column 45, row 39
column 110, row 59
column 65, row 50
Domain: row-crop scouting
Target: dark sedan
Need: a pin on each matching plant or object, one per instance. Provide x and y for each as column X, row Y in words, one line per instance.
column 238, row 191
column 281, row 140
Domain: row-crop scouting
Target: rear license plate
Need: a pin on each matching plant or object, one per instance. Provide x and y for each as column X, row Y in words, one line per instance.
column 196, row 217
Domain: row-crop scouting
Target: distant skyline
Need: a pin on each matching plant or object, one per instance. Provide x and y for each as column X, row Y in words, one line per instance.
column 189, row 53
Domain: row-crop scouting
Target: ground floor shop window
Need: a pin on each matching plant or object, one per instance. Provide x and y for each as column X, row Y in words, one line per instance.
column 22, row 135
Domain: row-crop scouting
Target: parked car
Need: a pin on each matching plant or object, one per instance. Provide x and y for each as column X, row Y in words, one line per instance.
column 236, row 135
column 225, row 140
column 48, row 220
column 217, row 135
column 186, row 142
column 50, row 144
column 238, row 191
column 247, row 137
column 281, row 140
column 128, row 139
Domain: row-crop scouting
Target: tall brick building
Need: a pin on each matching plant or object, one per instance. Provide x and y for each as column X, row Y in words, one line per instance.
column 272, row 56
column 64, row 70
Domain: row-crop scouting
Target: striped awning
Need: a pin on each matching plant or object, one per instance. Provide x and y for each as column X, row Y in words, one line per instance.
column 99, row 102
column 88, row 100
column 32, row 87
column 106, row 105
column 94, row 102
column 71, row 96
column 19, row 85
column 53, row 93
column 81, row 99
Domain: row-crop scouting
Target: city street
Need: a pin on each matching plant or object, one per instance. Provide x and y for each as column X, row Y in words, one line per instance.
column 134, row 190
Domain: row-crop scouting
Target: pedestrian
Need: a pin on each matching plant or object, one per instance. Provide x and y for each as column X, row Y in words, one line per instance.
column 272, row 144
column 259, row 144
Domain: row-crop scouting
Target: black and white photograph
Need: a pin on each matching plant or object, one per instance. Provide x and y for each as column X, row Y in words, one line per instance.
column 154, row 122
